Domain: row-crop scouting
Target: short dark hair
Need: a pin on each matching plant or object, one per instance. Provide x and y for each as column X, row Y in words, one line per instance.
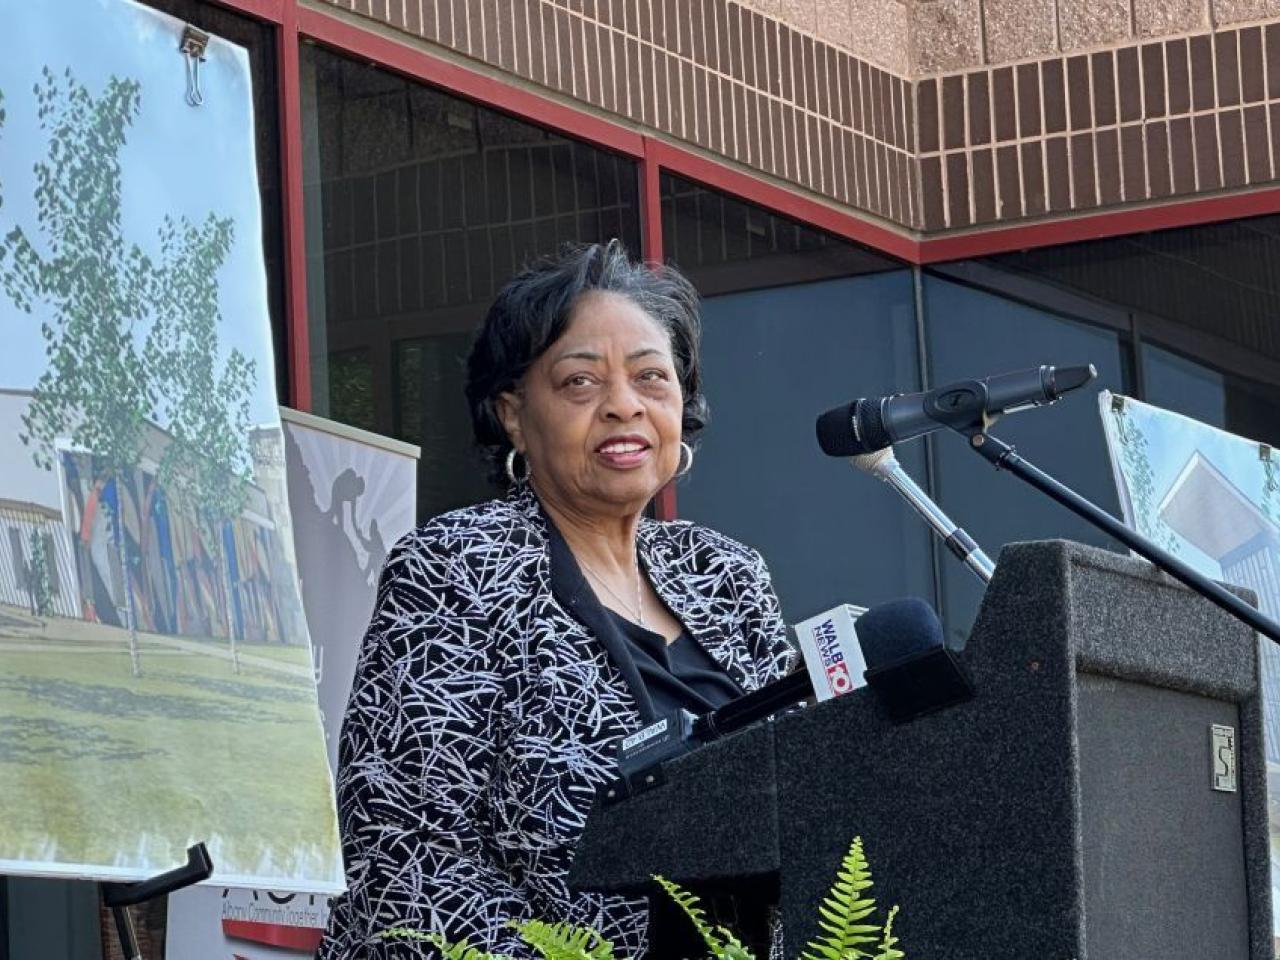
column 532, row 312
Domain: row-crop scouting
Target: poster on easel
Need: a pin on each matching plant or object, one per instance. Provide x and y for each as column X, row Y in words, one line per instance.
column 1212, row 499
column 352, row 495
column 156, row 678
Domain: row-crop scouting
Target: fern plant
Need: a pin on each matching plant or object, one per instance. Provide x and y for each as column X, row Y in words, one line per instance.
column 845, row 917
column 719, row 940
column 887, row 949
column 563, row 941
column 552, row 941
column 844, row 912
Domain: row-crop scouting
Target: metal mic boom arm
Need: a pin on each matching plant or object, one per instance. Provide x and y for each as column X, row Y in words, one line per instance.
column 970, row 421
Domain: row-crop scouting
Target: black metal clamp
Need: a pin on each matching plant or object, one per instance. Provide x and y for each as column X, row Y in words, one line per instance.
column 120, row 896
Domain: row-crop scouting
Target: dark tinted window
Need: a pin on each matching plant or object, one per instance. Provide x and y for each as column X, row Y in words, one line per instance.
column 1190, row 317
column 1205, row 304
column 419, row 206
column 796, row 321
column 975, row 333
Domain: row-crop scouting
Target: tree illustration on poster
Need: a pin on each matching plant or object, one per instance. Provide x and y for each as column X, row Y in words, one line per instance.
column 130, row 339
column 95, row 389
column 207, row 410
column 41, row 577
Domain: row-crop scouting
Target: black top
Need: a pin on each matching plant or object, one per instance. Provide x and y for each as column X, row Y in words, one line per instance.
column 679, row 674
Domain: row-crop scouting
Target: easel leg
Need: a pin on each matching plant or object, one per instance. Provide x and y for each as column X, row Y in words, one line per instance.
column 128, row 936
column 119, row 896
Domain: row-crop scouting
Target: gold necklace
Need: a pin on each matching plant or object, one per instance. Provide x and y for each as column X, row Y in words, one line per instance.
column 638, row 610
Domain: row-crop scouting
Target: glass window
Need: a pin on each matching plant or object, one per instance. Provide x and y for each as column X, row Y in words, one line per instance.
column 1205, row 304
column 420, row 205
column 726, row 245
column 796, row 322
column 1201, row 307
column 1173, row 380
column 975, row 333
column 1240, row 405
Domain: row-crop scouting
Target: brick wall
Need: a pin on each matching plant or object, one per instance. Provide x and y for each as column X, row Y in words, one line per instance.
column 721, row 76
column 948, row 35
column 878, row 31
column 918, row 38
column 909, row 111
column 1186, row 115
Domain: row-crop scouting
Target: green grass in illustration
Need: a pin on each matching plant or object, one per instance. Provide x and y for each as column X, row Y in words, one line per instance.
column 189, row 751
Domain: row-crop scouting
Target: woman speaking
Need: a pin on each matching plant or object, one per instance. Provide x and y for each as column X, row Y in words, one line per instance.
column 513, row 643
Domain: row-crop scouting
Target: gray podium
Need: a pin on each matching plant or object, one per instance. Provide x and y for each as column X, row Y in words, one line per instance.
column 1068, row 812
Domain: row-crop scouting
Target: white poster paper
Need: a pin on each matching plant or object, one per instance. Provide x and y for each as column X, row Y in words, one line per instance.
column 156, row 684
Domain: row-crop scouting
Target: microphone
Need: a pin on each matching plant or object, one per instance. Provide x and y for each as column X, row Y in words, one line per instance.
column 643, row 754
column 909, row 666
column 873, row 423
column 883, row 464
column 756, row 705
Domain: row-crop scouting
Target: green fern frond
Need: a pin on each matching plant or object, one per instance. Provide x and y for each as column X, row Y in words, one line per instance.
column 887, row 950
column 732, row 948
column 719, row 940
column 692, row 908
column 448, row 949
column 841, row 913
column 564, row 941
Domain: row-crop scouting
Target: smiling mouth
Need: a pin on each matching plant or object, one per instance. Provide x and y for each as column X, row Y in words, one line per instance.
column 621, row 447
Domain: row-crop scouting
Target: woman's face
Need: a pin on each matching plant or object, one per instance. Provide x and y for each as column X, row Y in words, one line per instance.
column 598, row 415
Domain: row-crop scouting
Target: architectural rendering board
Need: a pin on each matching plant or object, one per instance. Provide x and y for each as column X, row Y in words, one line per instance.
column 156, row 682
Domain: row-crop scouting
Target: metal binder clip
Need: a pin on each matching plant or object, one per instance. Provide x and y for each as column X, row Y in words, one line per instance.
column 1117, row 403
column 192, row 47
column 1264, row 452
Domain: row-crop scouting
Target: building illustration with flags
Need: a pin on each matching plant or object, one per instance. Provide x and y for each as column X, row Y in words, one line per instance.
column 80, row 546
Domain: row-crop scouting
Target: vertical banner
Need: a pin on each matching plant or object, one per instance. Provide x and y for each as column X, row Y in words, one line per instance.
column 352, row 495
column 1213, row 500
column 156, row 680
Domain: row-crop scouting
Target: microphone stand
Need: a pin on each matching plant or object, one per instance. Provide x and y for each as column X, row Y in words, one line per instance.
column 883, row 464
column 970, row 419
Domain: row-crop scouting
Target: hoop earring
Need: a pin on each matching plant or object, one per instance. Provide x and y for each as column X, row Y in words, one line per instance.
column 511, row 468
column 685, row 450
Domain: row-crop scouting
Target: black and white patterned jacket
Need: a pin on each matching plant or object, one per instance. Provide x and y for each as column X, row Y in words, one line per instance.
column 487, row 704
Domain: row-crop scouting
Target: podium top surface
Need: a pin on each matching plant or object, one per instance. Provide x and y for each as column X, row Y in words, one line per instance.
column 1119, row 615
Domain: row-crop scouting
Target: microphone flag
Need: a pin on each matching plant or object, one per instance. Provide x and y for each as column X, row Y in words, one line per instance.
column 831, row 651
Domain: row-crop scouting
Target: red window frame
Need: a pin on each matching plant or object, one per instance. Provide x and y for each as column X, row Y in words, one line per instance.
column 345, row 33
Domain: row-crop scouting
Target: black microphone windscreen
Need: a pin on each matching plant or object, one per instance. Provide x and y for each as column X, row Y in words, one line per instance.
column 1071, row 378
column 888, row 632
column 836, row 435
